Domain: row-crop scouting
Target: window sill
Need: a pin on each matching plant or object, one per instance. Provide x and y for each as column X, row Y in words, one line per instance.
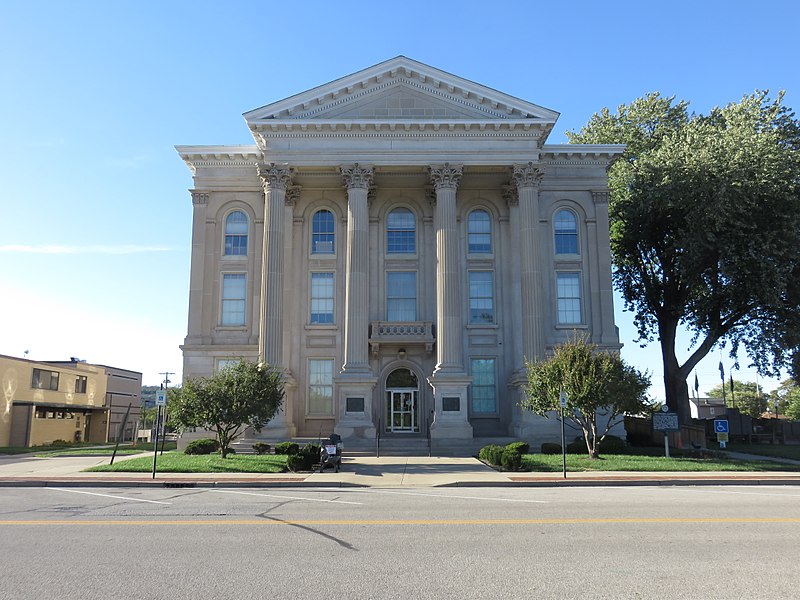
column 326, row 327
column 567, row 326
column 230, row 328
column 482, row 326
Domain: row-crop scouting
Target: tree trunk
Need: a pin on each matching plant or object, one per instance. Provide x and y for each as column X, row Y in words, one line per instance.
column 675, row 387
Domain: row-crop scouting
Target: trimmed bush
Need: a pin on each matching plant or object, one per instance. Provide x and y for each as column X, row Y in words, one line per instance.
column 612, row 444
column 519, row 447
column 202, row 446
column 60, row 443
column 577, row 447
column 261, row 448
column 312, row 451
column 491, row 454
column 551, row 448
column 288, row 448
column 510, row 459
column 230, row 451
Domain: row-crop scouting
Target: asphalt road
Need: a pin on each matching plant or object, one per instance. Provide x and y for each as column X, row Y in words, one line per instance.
column 634, row 542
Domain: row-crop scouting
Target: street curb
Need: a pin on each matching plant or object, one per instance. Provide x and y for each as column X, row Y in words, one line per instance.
column 623, row 483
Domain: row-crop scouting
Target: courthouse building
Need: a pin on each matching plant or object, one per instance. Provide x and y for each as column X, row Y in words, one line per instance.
column 398, row 242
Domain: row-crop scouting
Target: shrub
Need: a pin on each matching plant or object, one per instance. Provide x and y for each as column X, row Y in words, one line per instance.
column 300, row 462
column 491, row 454
column 577, row 447
column 551, row 448
column 60, row 443
column 202, row 446
column 312, row 451
column 519, row 447
column 640, row 439
column 230, row 451
column 289, row 448
column 612, row 444
column 261, row 448
column 510, row 459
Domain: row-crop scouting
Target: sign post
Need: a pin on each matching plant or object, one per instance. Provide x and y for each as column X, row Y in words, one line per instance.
column 562, row 399
column 161, row 400
column 666, row 421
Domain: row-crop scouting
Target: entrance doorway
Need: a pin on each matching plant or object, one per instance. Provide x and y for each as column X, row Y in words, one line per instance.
column 402, row 402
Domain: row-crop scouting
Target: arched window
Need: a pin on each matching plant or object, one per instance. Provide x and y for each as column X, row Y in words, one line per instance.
column 565, row 225
column 323, row 235
column 401, row 234
column 479, row 232
column 236, row 234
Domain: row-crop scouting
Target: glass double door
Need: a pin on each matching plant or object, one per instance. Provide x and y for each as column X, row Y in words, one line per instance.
column 402, row 410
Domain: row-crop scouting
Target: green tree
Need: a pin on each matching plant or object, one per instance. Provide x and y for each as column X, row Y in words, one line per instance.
column 787, row 398
column 705, row 226
column 596, row 383
column 747, row 396
column 241, row 395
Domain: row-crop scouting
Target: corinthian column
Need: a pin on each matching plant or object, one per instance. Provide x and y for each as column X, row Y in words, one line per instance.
column 449, row 380
column 527, row 179
column 276, row 179
column 357, row 180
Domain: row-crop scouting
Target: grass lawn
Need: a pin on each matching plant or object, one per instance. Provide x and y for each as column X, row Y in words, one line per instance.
column 766, row 450
column 632, row 462
column 178, row 462
column 47, row 448
column 124, row 449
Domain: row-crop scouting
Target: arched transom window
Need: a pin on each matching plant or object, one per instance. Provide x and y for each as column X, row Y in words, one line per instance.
column 479, row 232
column 323, row 235
column 565, row 226
column 401, row 233
column 236, row 234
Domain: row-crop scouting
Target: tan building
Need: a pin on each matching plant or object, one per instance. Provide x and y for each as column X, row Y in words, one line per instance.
column 398, row 241
column 44, row 401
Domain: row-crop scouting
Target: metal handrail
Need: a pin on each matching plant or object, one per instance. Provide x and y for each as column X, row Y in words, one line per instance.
column 428, row 427
column 378, row 440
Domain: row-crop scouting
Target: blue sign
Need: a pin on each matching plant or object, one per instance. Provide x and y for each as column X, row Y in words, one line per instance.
column 720, row 426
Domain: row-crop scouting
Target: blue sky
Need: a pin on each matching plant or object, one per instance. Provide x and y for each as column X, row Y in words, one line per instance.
column 95, row 226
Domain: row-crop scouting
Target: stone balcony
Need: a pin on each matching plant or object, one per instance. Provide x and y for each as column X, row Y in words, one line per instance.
column 401, row 333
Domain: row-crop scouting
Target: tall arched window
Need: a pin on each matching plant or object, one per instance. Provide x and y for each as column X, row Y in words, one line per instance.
column 479, row 232
column 236, row 234
column 401, row 234
column 323, row 234
column 565, row 225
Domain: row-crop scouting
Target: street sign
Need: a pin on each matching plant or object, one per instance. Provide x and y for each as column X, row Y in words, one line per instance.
column 722, row 437
column 665, row 421
column 721, row 426
column 563, row 399
column 161, row 397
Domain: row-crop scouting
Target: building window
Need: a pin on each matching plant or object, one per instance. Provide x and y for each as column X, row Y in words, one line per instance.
column 479, row 232
column 401, row 234
column 236, row 234
column 481, row 297
column 44, row 380
column 401, row 296
column 484, row 395
column 565, row 226
column 320, row 386
column 80, row 384
column 569, row 298
column 321, row 298
column 323, row 236
column 233, row 299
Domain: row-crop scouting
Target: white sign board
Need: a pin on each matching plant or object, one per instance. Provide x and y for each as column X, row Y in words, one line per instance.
column 563, row 399
column 161, row 398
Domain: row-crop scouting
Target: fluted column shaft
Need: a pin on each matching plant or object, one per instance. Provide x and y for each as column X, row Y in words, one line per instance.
column 276, row 179
column 527, row 179
column 357, row 180
column 449, row 321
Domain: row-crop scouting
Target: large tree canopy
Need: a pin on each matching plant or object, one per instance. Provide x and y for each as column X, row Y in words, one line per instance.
column 705, row 227
column 595, row 383
column 747, row 396
column 245, row 394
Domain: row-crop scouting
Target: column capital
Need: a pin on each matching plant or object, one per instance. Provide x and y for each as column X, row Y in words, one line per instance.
column 199, row 197
column 292, row 194
column 528, row 175
column 274, row 176
column 357, row 176
column 600, row 196
column 446, row 175
column 511, row 195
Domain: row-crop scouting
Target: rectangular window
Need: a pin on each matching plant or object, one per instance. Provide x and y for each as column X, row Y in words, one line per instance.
column 234, row 286
column 80, row 384
column 481, row 297
column 320, row 386
column 568, row 295
column 484, row 395
column 401, row 296
column 321, row 298
column 44, row 380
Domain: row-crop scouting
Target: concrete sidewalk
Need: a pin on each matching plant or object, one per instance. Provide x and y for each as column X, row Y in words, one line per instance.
column 385, row 472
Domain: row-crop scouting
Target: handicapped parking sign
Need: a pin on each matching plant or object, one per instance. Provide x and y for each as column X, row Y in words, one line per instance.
column 720, row 426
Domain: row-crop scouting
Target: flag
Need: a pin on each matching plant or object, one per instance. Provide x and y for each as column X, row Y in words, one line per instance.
column 696, row 386
column 731, row 383
column 722, row 373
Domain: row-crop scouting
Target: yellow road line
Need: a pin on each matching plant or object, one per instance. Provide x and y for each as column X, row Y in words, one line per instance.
column 400, row 521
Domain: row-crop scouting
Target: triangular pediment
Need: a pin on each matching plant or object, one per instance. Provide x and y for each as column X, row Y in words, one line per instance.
column 401, row 89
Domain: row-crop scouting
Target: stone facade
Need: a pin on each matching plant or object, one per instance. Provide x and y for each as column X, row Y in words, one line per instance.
column 398, row 241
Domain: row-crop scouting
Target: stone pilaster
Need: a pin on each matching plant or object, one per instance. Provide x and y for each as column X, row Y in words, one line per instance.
column 356, row 379
column 605, row 330
column 449, row 380
column 200, row 234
